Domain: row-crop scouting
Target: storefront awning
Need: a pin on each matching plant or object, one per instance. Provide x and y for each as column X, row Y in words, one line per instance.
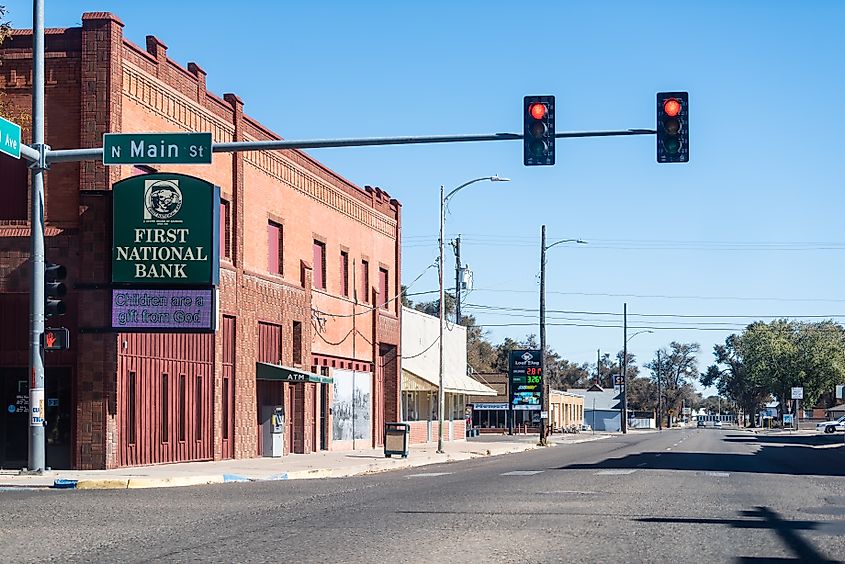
column 453, row 383
column 277, row 372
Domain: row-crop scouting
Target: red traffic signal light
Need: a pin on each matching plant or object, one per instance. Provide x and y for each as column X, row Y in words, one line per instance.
column 672, row 127
column 537, row 111
column 538, row 130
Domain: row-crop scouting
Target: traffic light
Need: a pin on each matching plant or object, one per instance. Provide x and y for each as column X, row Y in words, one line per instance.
column 672, row 127
column 54, row 290
column 539, row 130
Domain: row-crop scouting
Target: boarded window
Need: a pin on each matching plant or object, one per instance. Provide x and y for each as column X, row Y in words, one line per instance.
column 319, row 265
column 344, row 273
column 297, row 342
column 270, row 343
column 365, row 281
column 225, row 231
column 225, row 408
column 383, row 278
column 275, row 248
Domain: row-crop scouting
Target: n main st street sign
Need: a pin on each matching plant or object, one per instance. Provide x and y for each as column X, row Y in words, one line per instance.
column 156, row 148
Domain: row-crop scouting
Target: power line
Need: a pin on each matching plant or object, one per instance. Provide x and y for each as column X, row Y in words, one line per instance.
column 665, row 296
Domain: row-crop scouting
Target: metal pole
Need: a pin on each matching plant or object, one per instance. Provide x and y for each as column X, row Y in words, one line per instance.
column 545, row 380
column 659, row 396
column 625, row 369
column 598, row 367
column 440, row 395
column 36, row 462
column 458, row 280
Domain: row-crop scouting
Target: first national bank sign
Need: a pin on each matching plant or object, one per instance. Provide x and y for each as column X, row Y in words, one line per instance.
column 165, row 253
column 166, row 230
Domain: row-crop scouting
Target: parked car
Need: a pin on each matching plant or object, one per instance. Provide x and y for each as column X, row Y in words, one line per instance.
column 585, row 427
column 831, row 426
column 717, row 424
column 701, row 423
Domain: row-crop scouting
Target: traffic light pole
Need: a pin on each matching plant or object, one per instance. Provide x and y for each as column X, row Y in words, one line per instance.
column 544, row 421
column 36, row 459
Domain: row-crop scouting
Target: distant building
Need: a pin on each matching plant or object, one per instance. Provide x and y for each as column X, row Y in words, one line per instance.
column 421, row 377
column 599, row 412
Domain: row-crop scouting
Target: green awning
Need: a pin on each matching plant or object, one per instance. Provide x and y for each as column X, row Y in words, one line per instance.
column 279, row 373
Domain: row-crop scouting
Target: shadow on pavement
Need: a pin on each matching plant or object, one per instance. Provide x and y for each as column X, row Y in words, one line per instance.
column 807, row 455
column 762, row 517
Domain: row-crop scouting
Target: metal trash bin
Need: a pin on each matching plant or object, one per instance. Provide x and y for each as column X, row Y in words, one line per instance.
column 396, row 439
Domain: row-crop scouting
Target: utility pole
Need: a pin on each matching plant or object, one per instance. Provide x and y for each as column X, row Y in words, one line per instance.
column 625, row 368
column 457, row 247
column 659, row 396
column 36, row 462
column 543, row 420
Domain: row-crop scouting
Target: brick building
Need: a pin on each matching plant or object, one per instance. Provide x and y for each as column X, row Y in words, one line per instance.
column 309, row 277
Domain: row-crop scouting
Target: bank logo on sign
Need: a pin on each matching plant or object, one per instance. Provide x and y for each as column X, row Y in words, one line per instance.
column 162, row 199
column 527, row 356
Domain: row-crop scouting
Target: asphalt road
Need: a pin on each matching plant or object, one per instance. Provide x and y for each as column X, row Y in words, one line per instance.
column 697, row 495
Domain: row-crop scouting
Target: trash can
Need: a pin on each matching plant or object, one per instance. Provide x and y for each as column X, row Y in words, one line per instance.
column 396, row 439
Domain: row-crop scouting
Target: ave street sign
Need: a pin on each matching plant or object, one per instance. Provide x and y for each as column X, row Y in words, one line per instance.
column 156, row 148
column 10, row 138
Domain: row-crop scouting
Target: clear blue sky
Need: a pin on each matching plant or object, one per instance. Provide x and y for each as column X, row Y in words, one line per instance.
column 750, row 227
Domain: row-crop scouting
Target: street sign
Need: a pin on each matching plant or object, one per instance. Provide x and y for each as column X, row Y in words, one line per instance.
column 840, row 391
column 156, row 148
column 525, row 375
column 687, row 410
column 10, row 138
column 55, row 339
column 787, row 419
column 797, row 393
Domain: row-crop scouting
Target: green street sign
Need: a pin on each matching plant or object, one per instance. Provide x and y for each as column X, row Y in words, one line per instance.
column 166, row 231
column 156, row 148
column 10, row 138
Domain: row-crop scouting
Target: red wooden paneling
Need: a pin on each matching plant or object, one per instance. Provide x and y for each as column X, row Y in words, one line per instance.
column 158, row 363
column 270, row 343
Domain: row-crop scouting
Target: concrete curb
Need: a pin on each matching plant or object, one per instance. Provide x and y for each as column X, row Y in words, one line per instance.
column 376, row 467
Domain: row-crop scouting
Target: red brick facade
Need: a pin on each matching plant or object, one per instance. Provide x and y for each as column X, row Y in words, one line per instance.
column 125, row 385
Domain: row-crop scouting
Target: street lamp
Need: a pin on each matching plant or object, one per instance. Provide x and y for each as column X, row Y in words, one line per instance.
column 624, row 421
column 443, row 201
column 543, row 248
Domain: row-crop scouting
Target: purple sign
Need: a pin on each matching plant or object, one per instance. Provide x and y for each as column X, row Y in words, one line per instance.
column 163, row 309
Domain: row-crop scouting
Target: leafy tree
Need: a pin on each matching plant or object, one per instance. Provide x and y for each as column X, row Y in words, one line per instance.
column 731, row 378
column 677, row 365
column 783, row 354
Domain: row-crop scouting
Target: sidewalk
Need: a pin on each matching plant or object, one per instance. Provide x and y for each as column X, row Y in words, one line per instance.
column 326, row 464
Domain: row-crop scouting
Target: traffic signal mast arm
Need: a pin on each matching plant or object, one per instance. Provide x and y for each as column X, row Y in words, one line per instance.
column 96, row 154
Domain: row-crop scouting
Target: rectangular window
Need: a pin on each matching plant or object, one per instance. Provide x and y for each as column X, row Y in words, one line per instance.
column 225, row 408
column 165, row 408
column 344, row 273
column 365, row 281
column 14, row 173
column 225, row 231
column 183, row 398
column 384, row 298
column 198, row 400
column 131, row 411
column 297, row 342
column 275, row 248
column 319, row 265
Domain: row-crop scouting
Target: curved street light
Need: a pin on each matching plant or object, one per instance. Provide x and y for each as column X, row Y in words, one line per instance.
column 441, row 395
column 546, row 399
column 624, row 423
